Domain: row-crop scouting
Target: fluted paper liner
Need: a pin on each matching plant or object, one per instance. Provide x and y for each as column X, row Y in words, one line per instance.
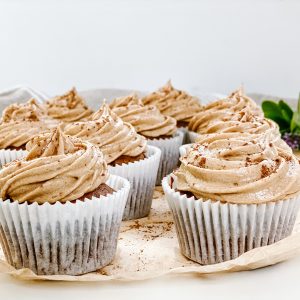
column 211, row 232
column 7, row 155
column 192, row 136
column 186, row 137
column 63, row 238
column 169, row 154
column 148, row 248
column 142, row 176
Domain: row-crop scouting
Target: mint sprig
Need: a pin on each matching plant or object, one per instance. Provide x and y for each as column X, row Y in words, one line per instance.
column 287, row 119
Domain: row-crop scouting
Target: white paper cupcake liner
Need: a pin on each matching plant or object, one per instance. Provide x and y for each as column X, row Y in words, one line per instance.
column 211, row 232
column 7, row 155
column 69, row 238
column 169, row 154
column 142, row 176
column 192, row 136
column 184, row 148
column 186, row 138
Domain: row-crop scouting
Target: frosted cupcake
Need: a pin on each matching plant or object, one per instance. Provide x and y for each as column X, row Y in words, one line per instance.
column 159, row 130
column 233, row 194
column 20, row 123
column 176, row 104
column 60, row 212
column 127, row 154
column 68, row 108
column 210, row 118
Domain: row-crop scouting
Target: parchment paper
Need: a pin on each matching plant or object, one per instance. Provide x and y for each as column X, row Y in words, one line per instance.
column 148, row 248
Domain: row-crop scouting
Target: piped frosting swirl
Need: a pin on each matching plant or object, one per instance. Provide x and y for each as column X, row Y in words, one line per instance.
column 244, row 122
column 28, row 111
column 146, row 119
column 174, row 103
column 69, row 107
column 57, row 168
column 211, row 116
column 242, row 169
column 113, row 136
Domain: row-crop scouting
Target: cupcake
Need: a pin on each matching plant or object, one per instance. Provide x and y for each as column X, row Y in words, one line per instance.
column 159, row 130
column 233, row 194
column 60, row 212
column 30, row 110
column 20, row 123
column 211, row 116
column 68, row 108
column 127, row 155
column 174, row 103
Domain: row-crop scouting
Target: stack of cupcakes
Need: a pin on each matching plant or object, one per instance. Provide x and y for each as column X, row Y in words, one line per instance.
column 159, row 130
column 237, row 187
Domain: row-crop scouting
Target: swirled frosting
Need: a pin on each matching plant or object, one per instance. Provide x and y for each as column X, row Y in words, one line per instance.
column 241, row 169
column 223, row 110
column 21, row 122
column 106, row 130
column 174, row 103
column 146, row 119
column 57, row 168
column 244, row 122
column 30, row 111
column 69, row 107
column 17, row 134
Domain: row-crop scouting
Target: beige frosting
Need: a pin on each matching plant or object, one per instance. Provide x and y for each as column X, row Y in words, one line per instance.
column 69, row 107
column 30, row 111
column 241, row 169
column 22, row 121
column 106, row 130
column 57, row 168
column 174, row 103
column 245, row 123
column 146, row 119
column 224, row 110
column 17, row 134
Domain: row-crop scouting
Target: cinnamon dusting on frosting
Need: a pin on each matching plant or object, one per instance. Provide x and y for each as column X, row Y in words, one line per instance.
column 57, row 168
column 69, row 107
column 107, row 131
column 146, row 119
column 174, row 103
column 242, row 169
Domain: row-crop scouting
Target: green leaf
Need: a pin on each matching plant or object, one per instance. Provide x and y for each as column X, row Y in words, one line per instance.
column 295, row 124
column 286, row 111
column 273, row 111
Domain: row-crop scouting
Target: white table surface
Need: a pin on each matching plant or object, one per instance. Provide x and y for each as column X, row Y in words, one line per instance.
column 280, row 281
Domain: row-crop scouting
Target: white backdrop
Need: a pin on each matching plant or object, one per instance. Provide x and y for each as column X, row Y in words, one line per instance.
column 203, row 46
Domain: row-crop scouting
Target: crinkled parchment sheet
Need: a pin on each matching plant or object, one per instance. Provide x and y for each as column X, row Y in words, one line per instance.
column 148, row 248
